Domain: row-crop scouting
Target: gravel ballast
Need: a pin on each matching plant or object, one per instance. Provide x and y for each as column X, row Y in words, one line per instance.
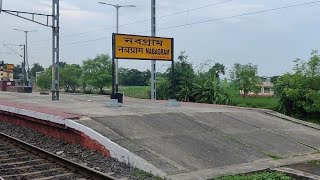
column 74, row 152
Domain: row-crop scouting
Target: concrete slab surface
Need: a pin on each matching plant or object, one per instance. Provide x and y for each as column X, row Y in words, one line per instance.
column 186, row 140
column 254, row 135
column 302, row 134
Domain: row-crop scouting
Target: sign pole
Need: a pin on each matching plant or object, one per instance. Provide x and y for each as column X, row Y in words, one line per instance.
column 24, row 64
column 113, row 78
column 116, row 60
column 173, row 101
column 26, row 58
column 173, row 73
column 153, row 62
column 126, row 46
column 113, row 67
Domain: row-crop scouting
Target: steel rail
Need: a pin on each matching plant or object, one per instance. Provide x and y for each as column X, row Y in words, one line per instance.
column 75, row 167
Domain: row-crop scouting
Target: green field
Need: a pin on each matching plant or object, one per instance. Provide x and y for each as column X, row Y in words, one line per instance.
column 141, row 92
column 255, row 102
column 257, row 176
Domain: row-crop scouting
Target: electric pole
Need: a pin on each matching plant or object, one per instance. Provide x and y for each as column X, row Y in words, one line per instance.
column 26, row 57
column 153, row 62
column 117, row 6
column 55, row 50
column 24, row 64
column 30, row 16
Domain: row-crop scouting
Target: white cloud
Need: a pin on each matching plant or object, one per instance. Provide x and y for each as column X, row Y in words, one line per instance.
column 71, row 13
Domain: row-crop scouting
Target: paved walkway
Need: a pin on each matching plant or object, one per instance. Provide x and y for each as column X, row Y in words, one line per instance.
column 195, row 140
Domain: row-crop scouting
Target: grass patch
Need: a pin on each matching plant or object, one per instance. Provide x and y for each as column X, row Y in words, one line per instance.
column 314, row 162
column 275, row 157
column 144, row 175
column 141, row 92
column 257, row 176
column 255, row 102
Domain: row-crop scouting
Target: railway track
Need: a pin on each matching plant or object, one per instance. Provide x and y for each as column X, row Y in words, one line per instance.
column 23, row 161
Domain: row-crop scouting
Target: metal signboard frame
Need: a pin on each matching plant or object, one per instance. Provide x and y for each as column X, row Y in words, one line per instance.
column 10, row 66
column 151, row 37
column 141, row 58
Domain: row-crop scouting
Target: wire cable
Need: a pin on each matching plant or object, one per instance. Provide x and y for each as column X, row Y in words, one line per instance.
column 6, row 53
column 140, row 21
column 15, row 52
column 206, row 21
column 210, row 20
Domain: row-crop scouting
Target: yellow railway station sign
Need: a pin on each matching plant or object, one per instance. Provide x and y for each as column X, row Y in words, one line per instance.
column 127, row 46
column 10, row 66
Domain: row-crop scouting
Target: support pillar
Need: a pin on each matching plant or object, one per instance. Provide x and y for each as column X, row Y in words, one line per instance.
column 55, row 50
column 153, row 63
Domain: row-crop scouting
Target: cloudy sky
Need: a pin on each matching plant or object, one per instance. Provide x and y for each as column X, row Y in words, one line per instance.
column 271, row 40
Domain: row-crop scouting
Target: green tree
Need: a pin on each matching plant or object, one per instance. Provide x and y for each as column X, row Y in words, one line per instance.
column 212, row 91
column 204, row 87
column 97, row 72
column 36, row 67
column 216, row 70
column 45, row 79
column 245, row 77
column 17, row 72
column 62, row 64
column 206, row 92
column 69, row 76
column 163, row 87
column 213, row 74
column 299, row 92
column 134, row 77
column 274, row 79
column 184, row 74
column 185, row 94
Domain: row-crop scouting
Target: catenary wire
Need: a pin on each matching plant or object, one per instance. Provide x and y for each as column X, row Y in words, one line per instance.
column 200, row 22
column 210, row 20
column 140, row 21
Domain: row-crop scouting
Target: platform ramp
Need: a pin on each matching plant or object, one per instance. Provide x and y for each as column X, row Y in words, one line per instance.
column 188, row 142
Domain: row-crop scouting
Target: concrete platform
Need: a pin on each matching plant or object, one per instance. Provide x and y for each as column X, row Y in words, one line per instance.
column 194, row 141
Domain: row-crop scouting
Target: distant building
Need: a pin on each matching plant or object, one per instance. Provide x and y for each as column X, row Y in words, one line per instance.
column 266, row 88
column 6, row 75
column 6, row 78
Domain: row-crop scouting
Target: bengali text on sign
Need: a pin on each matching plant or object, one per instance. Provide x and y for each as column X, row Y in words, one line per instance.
column 142, row 47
